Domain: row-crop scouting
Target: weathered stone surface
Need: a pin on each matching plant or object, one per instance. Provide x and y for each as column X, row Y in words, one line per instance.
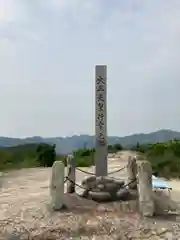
column 133, row 194
column 57, row 186
column 89, row 182
column 84, row 194
column 101, row 147
column 132, row 172
column 100, row 196
column 111, row 187
column 120, row 183
column 71, row 171
column 89, row 179
column 123, row 194
column 102, row 188
column 163, row 203
column 103, row 180
column 146, row 202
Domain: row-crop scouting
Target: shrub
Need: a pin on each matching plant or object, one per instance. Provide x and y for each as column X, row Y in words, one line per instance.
column 46, row 154
column 164, row 157
column 84, row 157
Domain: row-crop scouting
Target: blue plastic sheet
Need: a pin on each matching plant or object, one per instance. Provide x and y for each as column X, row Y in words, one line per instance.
column 158, row 183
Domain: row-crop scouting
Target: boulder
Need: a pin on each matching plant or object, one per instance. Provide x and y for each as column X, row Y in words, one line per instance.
column 85, row 193
column 111, row 187
column 120, row 183
column 89, row 179
column 89, row 182
column 163, row 203
column 104, row 180
column 100, row 196
column 123, row 194
column 101, row 187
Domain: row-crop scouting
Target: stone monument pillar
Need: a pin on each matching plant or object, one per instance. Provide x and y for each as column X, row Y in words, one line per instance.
column 101, row 120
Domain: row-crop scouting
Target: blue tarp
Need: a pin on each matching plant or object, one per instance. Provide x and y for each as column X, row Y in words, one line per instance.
column 158, row 183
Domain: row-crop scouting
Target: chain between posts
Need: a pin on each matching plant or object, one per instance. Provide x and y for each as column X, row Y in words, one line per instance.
column 67, row 177
column 93, row 174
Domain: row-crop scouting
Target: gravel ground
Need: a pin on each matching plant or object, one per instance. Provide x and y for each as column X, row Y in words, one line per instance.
column 24, row 208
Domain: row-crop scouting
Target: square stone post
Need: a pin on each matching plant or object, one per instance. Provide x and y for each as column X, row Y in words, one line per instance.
column 71, row 171
column 146, row 201
column 101, row 120
column 57, row 186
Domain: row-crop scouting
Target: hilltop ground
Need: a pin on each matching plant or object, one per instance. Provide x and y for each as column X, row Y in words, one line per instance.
column 24, row 204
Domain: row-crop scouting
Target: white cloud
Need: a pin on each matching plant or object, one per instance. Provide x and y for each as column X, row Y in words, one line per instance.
column 7, row 10
column 138, row 39
column 148, row 32
column 82, row 12
column 10, row 11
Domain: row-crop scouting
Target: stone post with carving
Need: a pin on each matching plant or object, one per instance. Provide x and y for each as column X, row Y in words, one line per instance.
column 71, row 170
column 132, row 172
column 57, row 186
column 146, row 202
column 101, row 120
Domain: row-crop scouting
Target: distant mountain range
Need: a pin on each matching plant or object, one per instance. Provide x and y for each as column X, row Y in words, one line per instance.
column 65, row 145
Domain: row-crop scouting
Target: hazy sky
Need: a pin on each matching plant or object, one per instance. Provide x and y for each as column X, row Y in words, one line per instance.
column 48, row 51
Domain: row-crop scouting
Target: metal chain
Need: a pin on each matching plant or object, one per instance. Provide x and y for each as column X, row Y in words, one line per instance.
column 66, row 178
column 93, row 174
column 89, row 173
column 76, row 184
column 126, row 185
column 119, row 170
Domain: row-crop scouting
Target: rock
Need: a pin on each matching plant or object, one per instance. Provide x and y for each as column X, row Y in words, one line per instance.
column 89, row 179
column 133, row 194
column 89, row 182
column 101, row 187
column 100, row 196
column 85, row 193
column 111, row 188
column 132, row 185
column 123, row 194
column 120, row 183
column 104, row 180
column 163, row 203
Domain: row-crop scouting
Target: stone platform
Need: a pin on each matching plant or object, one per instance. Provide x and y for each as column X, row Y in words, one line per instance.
column 102, row 189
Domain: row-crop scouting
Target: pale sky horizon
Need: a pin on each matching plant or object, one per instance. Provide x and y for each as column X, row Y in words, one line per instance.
column 48, row 53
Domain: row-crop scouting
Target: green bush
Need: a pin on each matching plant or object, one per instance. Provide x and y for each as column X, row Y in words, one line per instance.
column 84, row 157
column 28, row 155
column 164, row 157
column 46, row 154
column 115, row 148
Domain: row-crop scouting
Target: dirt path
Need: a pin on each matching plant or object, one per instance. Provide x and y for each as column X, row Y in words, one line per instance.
column 25, row 193
column 26, row 187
